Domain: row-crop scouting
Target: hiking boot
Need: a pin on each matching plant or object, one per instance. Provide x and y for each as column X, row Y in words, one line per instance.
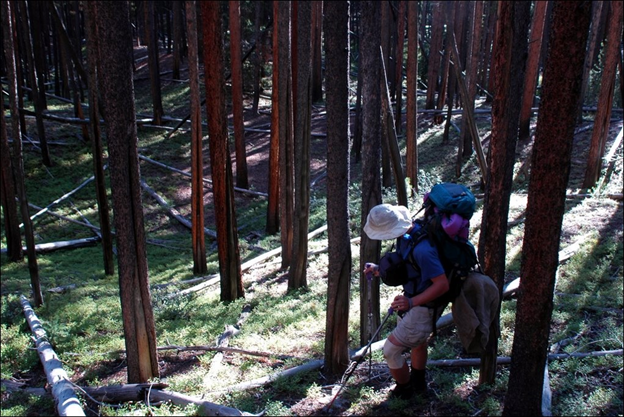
column 418, row 380
column 402, row 391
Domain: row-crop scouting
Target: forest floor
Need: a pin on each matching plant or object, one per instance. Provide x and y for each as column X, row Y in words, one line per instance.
column 369, row 386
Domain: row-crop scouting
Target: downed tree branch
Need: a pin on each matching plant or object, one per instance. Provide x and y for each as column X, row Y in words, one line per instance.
column 67, row 403
column 173, row 212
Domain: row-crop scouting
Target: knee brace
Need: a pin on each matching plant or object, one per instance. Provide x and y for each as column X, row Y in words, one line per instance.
column 393, row 355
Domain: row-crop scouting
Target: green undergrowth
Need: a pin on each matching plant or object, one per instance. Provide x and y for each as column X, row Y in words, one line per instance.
column 82, row 317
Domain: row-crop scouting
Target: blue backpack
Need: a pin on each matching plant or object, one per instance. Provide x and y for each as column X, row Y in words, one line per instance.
column 447, row 229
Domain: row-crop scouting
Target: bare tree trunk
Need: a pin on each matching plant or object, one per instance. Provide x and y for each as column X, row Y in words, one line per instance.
column 303, row 97
column 546, row 204
column 339, row 267
column 532, row 70
column 151, row 35
column 8, row 13
column 398, row 77
column 115, row 83
column 317, row 69
column 605, row 99
column 242, row 180
column 273, row 222
column 197, row 159
column 411, row 133
column 371, row 155
column 9, row 204
column 178, row 46
column 474, row 41
column 221, row 166
column 34, row 81
column 511, row 46
column 434, row 54
column 96, row 141
column 286, row 150
column 593, row 45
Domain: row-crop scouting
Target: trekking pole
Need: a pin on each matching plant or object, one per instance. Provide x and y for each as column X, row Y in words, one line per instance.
column 369, row 278
column 357, row 359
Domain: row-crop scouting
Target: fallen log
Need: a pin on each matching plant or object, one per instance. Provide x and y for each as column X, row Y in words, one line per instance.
column 219, row 349
column 68, row 244
column 207, row 181
column 61, row 198
column 214, row 278
column 206, row 408
column 173, row 212
column 259, row 382
column 62, row 389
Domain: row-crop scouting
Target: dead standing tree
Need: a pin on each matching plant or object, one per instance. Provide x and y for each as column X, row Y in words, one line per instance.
column 546, row 204
column 115, row 84
column 220, row 163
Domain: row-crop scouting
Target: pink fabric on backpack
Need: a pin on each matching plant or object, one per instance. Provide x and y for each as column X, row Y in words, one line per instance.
column 455, row 226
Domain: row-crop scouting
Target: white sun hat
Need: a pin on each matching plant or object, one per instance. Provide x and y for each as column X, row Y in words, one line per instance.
column 386, row 221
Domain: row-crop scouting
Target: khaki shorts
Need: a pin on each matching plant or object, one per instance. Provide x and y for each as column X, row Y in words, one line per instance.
column 415, row 327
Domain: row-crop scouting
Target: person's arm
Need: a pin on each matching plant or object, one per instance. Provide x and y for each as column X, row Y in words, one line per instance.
column 439, row 285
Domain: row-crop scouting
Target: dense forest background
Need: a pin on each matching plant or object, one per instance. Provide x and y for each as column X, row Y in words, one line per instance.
column 171, row 169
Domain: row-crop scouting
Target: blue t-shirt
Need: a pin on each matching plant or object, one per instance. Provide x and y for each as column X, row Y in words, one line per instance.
column 425, row 255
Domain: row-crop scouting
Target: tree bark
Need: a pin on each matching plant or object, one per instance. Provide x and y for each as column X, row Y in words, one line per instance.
column 593, row 45
column 336, row 26
column 546, row 204
column 96, row 141
column 317, row 59
column 285, row 131
column 220, row 163
column 151, row 35
column 474, row 41
column 273, row 206
column 197, row 159
column 9, row 202
column 411, row 118
column 605, row 99
column 532, row 68
column 34, row 84
column 115, row 84
column 433, row 69
column 8, row 13
column 511, row 46
column 303, row 96
column 178, row 45
column 242, row 179
column 371, row 156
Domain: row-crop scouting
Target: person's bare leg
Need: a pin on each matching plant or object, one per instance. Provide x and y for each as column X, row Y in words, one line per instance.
column 419, row 356
column 400, row 375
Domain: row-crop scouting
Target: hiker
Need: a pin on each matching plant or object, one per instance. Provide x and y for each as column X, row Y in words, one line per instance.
column 384, row 222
